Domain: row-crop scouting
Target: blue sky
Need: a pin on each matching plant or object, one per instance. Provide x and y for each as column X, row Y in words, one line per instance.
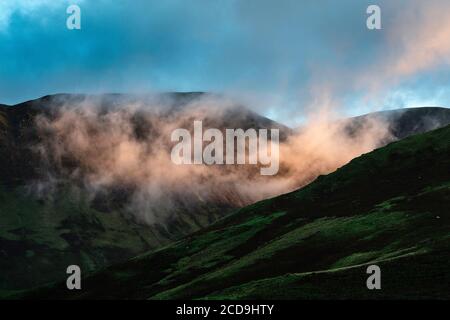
column 284, row 57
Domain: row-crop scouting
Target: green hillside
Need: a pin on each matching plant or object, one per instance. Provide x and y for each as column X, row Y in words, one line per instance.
column 390, row 207
column 38, row 238
column 44, row 230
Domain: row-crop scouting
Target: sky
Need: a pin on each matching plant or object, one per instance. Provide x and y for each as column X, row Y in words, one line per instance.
column 283, row 57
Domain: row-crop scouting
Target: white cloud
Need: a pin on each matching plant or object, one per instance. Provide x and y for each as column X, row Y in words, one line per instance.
column 31, row 8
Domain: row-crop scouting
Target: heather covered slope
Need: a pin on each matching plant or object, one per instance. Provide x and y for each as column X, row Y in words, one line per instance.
column 40, row 235
column 42, row 232
column 390, row 207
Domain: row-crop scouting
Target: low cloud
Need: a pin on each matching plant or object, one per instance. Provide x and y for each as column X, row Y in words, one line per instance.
column 126, row 149
column 417, row 41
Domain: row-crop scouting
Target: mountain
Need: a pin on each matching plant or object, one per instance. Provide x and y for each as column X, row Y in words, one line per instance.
column 60, row 207
column 404, row 122
column 389, row 207
column 49, row 219
column 22, row 130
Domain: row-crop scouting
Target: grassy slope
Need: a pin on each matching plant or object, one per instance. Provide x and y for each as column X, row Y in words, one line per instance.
column 39, row 238
column 390, row 207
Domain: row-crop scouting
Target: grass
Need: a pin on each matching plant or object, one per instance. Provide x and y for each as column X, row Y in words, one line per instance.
column 39, row 237
column 389, row 207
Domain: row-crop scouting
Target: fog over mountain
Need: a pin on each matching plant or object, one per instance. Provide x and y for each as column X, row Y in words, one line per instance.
column 117, row 149
column 89, row 179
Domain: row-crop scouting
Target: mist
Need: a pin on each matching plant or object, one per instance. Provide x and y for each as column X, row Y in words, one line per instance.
column 123, row 148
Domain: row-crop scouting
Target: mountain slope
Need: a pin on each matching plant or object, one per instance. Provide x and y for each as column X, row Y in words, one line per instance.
column 23, row 132
column 44, row 231
column 405, row 122
column 390, row 207
column 41, row 234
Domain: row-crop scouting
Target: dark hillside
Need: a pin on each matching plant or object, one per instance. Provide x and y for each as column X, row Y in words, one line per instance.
column 389, row 207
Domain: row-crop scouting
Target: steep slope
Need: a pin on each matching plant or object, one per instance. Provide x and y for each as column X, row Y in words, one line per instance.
column 390, row 207
column 39, row 239
column 44, row 231
column 23, row 131
column 41, row 234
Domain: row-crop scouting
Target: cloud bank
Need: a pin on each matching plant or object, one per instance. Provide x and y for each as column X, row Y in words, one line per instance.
column 126, row 149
